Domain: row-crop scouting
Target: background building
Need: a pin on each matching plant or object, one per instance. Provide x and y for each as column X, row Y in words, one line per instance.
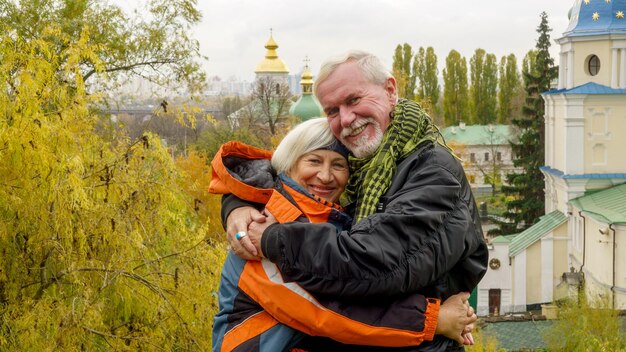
column 585, row 143
column 485, row 151
column 580, row 244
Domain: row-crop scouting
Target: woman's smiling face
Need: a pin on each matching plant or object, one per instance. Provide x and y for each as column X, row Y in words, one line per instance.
column 321, row 172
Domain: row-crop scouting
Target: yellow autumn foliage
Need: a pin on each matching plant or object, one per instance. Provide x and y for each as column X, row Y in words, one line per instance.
column 196, row 179
column 100, row 246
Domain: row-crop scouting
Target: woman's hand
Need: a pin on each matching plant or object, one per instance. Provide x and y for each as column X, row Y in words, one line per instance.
column 256, row 229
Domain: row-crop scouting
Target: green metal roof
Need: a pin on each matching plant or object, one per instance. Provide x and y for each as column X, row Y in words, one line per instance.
column 306, row 107
column 504, row 238
column 478, row 134
column 546, row 224
column 608, row 205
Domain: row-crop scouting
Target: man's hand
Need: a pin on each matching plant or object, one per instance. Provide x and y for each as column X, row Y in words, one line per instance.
column 255, row 230
column 468, row 339
column 456, row 319
column 238, row 221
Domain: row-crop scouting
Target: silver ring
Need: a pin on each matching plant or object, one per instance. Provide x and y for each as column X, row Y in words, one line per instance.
column 239, row 235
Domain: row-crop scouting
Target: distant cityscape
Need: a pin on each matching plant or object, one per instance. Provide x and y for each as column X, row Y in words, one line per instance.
column 234, row 87
column 138, row 89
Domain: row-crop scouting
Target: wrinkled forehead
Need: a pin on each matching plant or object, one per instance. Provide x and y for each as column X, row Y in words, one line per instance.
column 330, row 72
column 344, row 81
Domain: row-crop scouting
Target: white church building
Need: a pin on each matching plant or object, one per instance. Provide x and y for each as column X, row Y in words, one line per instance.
column 581, row 241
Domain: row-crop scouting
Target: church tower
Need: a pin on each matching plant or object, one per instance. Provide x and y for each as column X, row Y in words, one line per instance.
column 585, row 118
column 272, row 67
column 307, row 105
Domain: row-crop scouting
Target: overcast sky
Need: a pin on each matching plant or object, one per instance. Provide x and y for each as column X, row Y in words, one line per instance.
column 233, row 32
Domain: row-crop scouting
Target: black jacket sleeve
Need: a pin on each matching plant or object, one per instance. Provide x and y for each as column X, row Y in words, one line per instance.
column 428, row 232
column 231, row 202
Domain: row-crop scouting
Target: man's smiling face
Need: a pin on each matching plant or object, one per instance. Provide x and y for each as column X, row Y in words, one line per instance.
column 357, row 109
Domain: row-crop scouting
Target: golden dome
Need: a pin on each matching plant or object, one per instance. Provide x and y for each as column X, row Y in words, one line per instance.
column 307, row 76
column 271, row 63
column 306, row 80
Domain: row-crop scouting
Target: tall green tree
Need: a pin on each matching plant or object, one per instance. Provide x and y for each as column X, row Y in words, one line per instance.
column 526, row 187
column 529, row 64
column 455, row 93
column 510, row 85
column 427, row 77
column 483, row 88
column 403, row 71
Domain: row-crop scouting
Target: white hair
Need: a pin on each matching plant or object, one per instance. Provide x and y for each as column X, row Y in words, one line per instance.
column 304, row 138
column 370, row 65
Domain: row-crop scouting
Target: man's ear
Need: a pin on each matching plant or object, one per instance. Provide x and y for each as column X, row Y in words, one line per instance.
column 391, row 89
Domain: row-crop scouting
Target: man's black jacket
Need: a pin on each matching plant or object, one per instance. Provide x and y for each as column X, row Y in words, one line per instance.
column 426, row 237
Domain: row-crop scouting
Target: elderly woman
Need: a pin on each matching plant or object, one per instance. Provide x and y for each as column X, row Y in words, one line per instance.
column 261, row 312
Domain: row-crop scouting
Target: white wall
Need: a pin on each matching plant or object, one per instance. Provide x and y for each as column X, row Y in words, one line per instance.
column 519, row 282
column 496, row 279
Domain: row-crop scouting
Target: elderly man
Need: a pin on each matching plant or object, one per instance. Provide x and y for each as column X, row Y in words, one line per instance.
column 416, row 227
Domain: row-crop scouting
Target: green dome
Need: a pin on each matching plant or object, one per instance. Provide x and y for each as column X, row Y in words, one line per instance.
column 306, row 107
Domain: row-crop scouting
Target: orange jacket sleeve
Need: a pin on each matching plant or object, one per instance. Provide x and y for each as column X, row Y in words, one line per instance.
column 291, row 305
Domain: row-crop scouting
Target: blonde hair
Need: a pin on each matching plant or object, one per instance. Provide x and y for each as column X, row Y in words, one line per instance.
column 370, row 65
column 304, row 138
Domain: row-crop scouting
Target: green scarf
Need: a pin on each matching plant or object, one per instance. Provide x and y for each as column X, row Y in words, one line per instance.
column 371, row 177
